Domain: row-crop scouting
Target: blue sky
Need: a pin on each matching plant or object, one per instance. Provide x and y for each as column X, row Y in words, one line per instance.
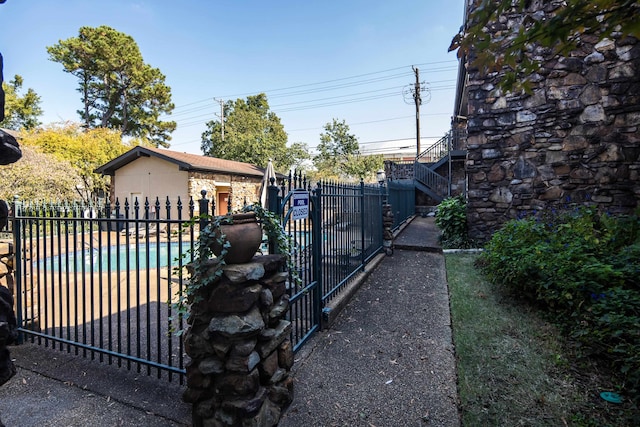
column 315, row 60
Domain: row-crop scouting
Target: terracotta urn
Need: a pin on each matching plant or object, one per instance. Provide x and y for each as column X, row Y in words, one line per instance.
column 244, row 234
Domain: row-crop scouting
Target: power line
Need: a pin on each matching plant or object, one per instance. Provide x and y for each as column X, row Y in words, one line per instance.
column 389, row 149
column 184, row 142
column 317, row 103
column 339, row 79
column 400, row 75
column 351, row 101
column 300, row 97
column 410, row 138
column 210, row 105
column 394, row 88
column 373, row 121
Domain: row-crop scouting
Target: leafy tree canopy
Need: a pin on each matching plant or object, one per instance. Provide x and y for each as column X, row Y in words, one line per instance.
column 298, row 157
column 559, row 31
column 84, row 150
column 119, row 91
column 39, row 176
column 339, row 155
column 21, row 111
column 252, row 134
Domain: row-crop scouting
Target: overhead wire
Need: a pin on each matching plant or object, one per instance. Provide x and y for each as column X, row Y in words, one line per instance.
column 193, row 113
column 340, row 79
column 182, row 110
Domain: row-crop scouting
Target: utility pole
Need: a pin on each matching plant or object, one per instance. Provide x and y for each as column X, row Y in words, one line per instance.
column 221, row 101
column 412, row 94
column 418, row 101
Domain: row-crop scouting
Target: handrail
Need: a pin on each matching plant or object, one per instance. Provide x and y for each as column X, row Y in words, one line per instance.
column 434, row 181
column 435, row 152
column 455, row 139
column 423, row 172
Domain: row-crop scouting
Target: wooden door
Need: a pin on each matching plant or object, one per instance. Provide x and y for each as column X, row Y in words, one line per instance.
column 222, row 204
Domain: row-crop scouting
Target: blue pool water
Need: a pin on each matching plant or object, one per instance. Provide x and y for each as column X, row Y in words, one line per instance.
column 132, row 257
column 114, row 258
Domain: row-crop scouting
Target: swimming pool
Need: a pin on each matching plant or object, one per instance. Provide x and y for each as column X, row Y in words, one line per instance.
column 116, row 258
column 133, row 257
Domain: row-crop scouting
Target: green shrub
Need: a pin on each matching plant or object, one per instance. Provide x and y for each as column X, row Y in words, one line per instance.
column 612, row 326
column 584, row 268
column 451, row 217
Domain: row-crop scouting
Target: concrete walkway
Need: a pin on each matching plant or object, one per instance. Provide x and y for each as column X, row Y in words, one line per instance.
column 53, row 388
column 389, row 359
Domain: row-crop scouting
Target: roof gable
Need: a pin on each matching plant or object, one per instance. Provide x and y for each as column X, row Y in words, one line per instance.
column 185, row 161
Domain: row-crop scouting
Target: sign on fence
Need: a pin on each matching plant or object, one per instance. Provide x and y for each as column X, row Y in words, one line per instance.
column 300, row 205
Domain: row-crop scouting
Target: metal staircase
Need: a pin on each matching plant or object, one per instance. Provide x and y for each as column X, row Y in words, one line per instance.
column 425, row 177
column 430, row 182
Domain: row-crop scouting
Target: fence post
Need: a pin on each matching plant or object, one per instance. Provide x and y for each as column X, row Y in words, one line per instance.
column 203, row 209
column 273, row 205
column 387, row 221
column 17, row 269
column 272, row 197
column 362, row 218
column 449, row 181
column 316, row 247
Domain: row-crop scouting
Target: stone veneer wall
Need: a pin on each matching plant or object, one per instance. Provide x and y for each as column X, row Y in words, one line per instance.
column 576, row 139
column 241, row 188
column 238, row 342
column 245, row 192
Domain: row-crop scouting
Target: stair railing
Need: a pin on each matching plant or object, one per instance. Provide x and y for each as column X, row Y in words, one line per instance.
column 438, row 184
column 436, row 151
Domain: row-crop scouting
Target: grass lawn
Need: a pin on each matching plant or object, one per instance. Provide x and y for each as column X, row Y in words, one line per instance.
column 516, row 369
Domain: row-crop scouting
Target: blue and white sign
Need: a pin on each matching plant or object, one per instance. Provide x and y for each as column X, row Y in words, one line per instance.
column 300, row 205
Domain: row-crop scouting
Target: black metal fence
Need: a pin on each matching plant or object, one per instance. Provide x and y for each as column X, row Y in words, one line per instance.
column 351, row 232
column 306, row 279
column 402, row 200
column 342, row 233
column 100, row 280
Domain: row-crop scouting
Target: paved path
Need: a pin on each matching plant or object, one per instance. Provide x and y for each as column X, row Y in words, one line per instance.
column 387, row 361
column 53, row 388
column 389, row 358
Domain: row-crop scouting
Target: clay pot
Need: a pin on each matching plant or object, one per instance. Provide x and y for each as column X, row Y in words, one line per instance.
column 245, row 236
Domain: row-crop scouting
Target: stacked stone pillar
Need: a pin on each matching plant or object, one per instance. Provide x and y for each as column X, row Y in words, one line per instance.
column 6, row 265
column 7, row 317
column 387, row 225
column 238, row 342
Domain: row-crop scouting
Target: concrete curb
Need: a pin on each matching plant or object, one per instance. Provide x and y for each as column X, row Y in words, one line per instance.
column 331, row 312
column 463, row 251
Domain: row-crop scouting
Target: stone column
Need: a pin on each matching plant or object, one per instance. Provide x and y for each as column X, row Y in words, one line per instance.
column 238, row 342
column 6, row 265
column 7, row 317
column 387, row 225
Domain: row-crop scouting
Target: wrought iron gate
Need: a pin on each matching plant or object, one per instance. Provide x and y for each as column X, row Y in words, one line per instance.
column 305, row 281
column 98, row 281
column 342, row 233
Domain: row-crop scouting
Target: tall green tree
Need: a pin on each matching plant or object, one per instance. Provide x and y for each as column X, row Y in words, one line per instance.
column 21, row 110
column 119, row 91
column 339, row 155
column 298, row 157
column 559, row 31
column 252, row 134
